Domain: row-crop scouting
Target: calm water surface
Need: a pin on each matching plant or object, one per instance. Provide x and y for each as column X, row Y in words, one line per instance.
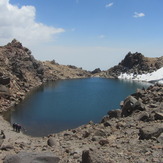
column 68, row 104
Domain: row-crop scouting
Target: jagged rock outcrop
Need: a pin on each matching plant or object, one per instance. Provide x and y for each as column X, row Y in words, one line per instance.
column 95, row 71
column 135, row 63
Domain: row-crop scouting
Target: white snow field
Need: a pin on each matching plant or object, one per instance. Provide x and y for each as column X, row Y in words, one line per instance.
column 156, row 76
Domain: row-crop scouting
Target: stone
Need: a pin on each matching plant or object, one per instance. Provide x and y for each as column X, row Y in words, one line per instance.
column 5, row 80
column 100, row 133
column 115, row 113
column 52, row 142
column 120, row 125
column 86, row 134
column 24, row 157
column 158, row 116
column 131, row 104
column 7, row 147
column 89, row 156
column 86, row 158
column 149, row 132
column 106, row 124
column 103, row 142
column 144, row 116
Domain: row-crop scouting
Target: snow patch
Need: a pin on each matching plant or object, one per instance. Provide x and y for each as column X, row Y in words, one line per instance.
column 156, row 76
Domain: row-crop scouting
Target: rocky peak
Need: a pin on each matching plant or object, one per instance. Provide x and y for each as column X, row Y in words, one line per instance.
column 15, row 43
column 135, row 63
column 132, row 60
column 95, row 71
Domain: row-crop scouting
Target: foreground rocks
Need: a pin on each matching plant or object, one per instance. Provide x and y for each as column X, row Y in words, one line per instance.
column 124, row 138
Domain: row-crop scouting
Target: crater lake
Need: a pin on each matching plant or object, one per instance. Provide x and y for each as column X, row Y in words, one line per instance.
column 67, row 104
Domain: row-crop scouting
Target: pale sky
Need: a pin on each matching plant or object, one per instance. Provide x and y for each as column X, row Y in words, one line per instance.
column 84, row 33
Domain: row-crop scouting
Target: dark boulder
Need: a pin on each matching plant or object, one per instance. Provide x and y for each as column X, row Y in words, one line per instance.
column 103, row 142
column 105, row 121
column 144, row 116
column 86, row 134
column 89, row 156
column 131, row 105
column 40, row 70
column 52, row 142
column 149, row 132
column 100, row 133
column 115, row 113
column 86, row 158
column 71, row 66
column 158, row 116
column 4, row 80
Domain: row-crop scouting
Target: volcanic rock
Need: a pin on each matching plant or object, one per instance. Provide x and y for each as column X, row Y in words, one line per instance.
column 131, row 104
column 149, row 132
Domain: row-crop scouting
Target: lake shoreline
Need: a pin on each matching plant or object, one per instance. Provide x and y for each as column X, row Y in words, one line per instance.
column 112, row 134
column 86, row 110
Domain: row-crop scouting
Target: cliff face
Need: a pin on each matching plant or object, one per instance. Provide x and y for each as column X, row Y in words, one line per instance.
column 20, row 72
column 135, row 63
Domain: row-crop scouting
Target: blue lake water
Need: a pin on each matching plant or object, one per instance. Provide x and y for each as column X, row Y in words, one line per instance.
column 67, row 104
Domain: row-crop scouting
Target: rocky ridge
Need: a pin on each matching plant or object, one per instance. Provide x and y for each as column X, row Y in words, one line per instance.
column 20, row 72
column 135, row 63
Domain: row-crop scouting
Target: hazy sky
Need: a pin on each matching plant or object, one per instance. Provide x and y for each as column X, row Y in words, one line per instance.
column 85, row 33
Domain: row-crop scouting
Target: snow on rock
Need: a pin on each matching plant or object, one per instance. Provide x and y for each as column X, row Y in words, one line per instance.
column 156, row 76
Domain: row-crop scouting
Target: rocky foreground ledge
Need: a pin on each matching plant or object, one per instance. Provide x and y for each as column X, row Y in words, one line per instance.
column 133, row 133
